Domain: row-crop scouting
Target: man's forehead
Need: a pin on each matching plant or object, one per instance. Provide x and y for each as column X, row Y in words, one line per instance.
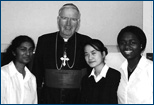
column 69, row 12
column 68, row 8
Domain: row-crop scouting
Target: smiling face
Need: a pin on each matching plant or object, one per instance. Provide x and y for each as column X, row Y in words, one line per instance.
column 130, row 46
column 24, row 53
column 93, row 57
column 68, row 21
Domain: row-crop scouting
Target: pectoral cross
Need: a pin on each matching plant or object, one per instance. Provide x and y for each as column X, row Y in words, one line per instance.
column 64, row 59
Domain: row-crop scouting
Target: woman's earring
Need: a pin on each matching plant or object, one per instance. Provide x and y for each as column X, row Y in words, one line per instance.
column 141, row 46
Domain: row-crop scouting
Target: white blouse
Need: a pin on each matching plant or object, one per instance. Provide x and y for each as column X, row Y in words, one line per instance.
column 139, row 88
column 15, row 89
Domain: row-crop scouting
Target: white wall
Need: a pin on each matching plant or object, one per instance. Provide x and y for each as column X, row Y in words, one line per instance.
column 148, row 24
column 99, row 19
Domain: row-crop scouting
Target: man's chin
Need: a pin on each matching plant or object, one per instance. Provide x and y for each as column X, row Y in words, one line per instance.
column 68, row 33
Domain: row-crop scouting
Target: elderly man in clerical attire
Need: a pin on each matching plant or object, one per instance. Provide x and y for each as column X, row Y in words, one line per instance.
column 59, row 60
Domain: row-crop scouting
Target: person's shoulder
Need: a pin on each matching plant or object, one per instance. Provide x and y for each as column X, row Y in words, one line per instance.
column 113, row 72
column 5, row 70
column 85, row 78
column 113, row 76
column 82, row 36
column 47, row 36
column 149, row 61
column 32, row 76
column 5, row 67
column 146, row 62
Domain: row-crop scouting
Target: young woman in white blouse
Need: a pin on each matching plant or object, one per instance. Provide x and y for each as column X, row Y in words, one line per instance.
column 136, row 84
column 18, row 84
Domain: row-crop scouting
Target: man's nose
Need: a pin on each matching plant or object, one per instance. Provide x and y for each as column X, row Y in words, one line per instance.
column 68, row 21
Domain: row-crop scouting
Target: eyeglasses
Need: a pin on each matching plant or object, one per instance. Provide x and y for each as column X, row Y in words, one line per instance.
column 67, row 18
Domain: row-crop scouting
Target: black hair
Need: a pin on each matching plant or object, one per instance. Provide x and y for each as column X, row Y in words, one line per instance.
column 97, row 45
column 137, row 32
column 16, row 42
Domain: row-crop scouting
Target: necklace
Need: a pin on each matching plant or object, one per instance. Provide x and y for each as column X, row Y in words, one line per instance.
column 59, row 68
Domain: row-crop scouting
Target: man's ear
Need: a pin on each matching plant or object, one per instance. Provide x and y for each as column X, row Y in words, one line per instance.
column 78, row 25
column 58, row 19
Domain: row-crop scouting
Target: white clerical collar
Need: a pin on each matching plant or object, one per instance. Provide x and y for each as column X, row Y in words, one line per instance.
column 65, row 40
column 102, row 73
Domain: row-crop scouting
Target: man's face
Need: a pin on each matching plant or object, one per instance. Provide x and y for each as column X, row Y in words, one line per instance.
column 68, row 22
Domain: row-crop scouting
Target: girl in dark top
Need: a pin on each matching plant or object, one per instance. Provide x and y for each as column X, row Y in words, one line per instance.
column 100, row 87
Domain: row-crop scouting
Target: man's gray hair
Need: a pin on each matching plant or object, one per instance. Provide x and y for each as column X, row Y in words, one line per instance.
column 70, row 5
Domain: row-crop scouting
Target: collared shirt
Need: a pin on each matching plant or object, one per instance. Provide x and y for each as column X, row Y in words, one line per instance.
column 139, row 88
column 102, row 73
column 15, row 89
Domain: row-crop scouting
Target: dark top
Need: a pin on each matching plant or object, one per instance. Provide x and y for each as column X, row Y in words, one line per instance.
column 102, row 92
column 46, row 54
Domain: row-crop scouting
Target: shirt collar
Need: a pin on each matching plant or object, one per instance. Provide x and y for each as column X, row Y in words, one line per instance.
column 13, row 71
column 102, row 73
column 141, row 64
